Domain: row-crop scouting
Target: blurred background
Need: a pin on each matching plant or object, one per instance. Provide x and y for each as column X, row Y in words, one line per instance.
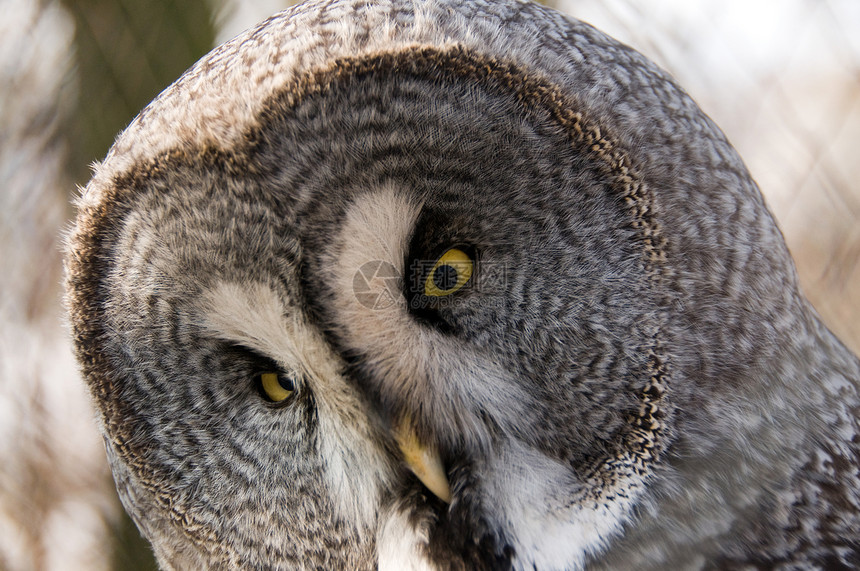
column 781, row 78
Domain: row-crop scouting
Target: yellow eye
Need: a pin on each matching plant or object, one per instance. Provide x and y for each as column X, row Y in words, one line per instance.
column 450, row 272
column 276, row 388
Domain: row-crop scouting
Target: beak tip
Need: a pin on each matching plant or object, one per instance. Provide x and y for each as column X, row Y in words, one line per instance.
column 436, row 480
column 424, row 461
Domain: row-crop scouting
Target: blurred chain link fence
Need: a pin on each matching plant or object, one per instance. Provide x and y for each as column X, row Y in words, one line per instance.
column 782, row 80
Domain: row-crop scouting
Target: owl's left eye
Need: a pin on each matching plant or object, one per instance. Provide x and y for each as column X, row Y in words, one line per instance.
column 450, row 273
column 275, row 387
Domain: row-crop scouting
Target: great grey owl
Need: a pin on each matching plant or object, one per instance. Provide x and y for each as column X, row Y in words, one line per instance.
column 453, row 284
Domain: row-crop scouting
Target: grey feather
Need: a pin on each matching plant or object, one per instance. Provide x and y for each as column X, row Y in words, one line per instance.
column 630, row 378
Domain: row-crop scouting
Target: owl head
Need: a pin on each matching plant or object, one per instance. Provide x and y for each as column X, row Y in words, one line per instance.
column 396, row 284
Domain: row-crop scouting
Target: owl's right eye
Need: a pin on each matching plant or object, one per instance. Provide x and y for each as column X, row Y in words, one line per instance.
column 275, row 387
column 450, row 273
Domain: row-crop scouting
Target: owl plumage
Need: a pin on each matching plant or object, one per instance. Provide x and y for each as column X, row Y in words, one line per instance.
column 453, row 285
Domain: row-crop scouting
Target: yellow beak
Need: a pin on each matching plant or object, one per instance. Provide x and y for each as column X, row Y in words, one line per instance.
column 423, row 460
